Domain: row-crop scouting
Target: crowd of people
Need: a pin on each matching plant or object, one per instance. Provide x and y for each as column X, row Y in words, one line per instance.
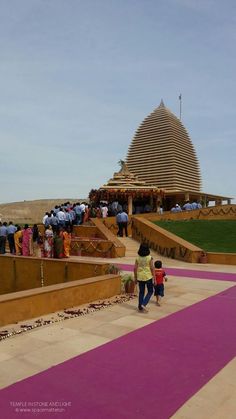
column 188, row 206
column 55, row 242
column 68, row 214
column 58, row 224
column 29, row 241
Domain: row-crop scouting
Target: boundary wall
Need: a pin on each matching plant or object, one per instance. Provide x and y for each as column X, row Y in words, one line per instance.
column 110, row 223
column 164, row 242
column 29, row 304
column 221, row 258
column 93, row 248
column 20, row 273
column 219, row 212
column 95, row 240
column 118, row 249
column 183, row 250
column 90, row 231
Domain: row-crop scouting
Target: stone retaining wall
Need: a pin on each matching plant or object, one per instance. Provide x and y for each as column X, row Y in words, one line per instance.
column 164, row 242
column 32, row 303
column 20, row 273
column 221, row 258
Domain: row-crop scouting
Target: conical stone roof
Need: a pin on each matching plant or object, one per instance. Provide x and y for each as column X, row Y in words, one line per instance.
column 162, row 154
column 125, row 180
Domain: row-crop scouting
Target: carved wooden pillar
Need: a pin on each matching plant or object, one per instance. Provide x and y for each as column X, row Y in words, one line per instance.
column 151, row 202
column 130, row 205
column 186, row 196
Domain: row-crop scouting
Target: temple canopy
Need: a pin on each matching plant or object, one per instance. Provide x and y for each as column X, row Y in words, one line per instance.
column 125, row 186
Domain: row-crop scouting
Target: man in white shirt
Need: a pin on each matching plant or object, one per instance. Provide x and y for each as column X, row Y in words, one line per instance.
column 104, row 211
column 45, row 216
column 82, row 209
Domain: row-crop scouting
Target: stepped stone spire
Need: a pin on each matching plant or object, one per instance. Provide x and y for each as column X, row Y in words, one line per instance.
column 162, row 154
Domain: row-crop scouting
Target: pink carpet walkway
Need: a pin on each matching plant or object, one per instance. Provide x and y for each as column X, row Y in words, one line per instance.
column 190, row 273
column 148, row 373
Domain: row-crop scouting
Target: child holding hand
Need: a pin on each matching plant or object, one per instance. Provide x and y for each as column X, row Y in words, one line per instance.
column 160, row 275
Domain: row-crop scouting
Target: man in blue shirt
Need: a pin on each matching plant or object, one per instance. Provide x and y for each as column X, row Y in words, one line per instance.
column 124, row 223
column 187, row 206
column 177, row 208
column 11, row 229
column 119, row 224
column 3, row 237
column 194, row 205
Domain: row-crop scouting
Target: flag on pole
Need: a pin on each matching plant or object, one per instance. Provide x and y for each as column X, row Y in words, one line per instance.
column 180, row 106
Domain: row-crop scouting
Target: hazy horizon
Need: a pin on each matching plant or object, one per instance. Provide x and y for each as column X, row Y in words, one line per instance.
column 60, row 200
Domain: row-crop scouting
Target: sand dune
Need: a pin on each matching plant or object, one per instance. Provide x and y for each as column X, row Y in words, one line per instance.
column 30, row 211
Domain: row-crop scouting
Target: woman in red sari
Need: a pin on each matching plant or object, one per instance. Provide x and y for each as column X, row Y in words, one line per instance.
column 58, row 244
column 66, row 242
column 26, row 241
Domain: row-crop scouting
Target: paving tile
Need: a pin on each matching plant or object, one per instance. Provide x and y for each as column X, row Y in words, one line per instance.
column 133, row 321
column 5, row 356
column 83, row 323
column 176, row 301
column 198, row 409
column 227, row 410
column 192, row 297
column 216, row 398
column 167, row 309
column 16, row 369
column 22, row 344
column 105, row 330
column 85, row 342
column 50, row 355
column 54, row 332
column 56, row 353
column 106, row 315
column 124, row 308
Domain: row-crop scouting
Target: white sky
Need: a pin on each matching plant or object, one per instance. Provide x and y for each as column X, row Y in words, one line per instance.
column 78, row 77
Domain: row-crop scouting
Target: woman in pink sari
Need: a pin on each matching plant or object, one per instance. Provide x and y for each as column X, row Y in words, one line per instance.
column 26, row 241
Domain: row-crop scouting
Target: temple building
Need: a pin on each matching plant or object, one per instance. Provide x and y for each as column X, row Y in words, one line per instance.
column 162, row 154
column 132, row 193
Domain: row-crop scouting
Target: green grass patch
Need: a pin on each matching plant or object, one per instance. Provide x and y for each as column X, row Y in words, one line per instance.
column 209, row 235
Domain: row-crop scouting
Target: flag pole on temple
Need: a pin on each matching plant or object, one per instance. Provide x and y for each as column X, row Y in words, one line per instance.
column 180, row 106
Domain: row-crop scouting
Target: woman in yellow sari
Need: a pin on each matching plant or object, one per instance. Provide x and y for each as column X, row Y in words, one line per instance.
column 66, row 242
column 18, row 241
